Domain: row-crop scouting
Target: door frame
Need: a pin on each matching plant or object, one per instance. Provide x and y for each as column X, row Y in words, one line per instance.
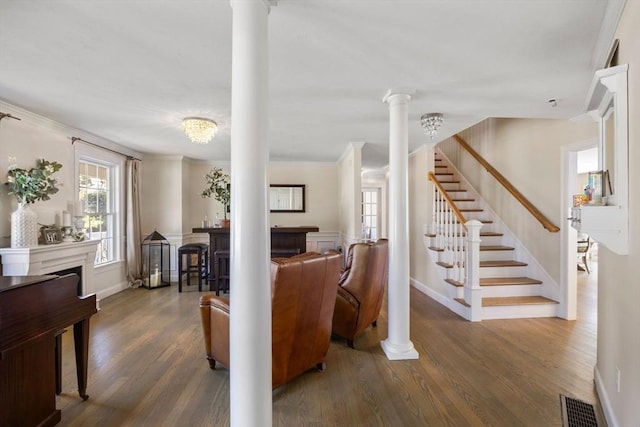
column 568, row 246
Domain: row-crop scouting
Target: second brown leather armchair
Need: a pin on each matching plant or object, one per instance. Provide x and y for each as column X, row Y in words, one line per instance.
column 361, row 289
column 303, row 295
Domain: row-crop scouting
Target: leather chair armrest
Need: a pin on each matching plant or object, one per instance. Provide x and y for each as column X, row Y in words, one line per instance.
column 214, row 312
column 348, row 297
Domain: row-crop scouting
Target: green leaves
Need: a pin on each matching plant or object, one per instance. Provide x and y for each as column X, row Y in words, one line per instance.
column 33, row 184
column 218, row 187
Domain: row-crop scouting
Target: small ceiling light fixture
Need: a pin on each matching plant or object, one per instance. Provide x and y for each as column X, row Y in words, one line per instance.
column 431, row 122
column 199, row 130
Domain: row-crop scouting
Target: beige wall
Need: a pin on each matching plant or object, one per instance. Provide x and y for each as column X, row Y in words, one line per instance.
column 199, row 206
column 420, row 163
column 527, row 152
column 161, row 195
column 350, row 166
column 35, row 137
column 321, row 181
column 618, row 285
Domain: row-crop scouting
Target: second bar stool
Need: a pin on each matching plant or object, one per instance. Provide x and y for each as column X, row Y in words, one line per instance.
column 201, row 267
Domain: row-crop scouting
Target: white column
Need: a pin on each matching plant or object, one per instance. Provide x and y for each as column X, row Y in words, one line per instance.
column 398, row 345
column 250, row 330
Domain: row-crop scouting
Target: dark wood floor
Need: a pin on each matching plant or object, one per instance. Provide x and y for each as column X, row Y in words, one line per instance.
column 147, row 368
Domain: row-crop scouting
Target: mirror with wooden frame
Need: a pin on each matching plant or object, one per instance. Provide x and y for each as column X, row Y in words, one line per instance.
column 287, row 197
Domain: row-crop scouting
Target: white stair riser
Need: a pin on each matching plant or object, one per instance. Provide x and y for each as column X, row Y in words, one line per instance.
column 485, row 240
column 450, row 185
column 510, row 291
column 495, row 255
column 503, row 271
column 520, row 311
column 455, row 292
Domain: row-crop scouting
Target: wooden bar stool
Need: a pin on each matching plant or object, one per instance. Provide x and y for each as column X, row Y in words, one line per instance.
column 221, row 268
column 201, row 267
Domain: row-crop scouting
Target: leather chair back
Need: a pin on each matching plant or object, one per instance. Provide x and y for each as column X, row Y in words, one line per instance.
column 362, row 287
column 303, row 295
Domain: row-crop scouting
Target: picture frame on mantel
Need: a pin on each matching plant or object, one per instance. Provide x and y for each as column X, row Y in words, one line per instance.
column 50, row 236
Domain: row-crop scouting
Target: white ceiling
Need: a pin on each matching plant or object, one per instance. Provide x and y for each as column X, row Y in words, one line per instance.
column 130, row 70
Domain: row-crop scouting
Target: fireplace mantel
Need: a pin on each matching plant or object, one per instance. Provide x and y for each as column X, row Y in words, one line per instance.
column 47, row 259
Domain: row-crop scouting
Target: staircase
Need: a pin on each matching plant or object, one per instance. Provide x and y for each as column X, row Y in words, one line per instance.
column 497, row 278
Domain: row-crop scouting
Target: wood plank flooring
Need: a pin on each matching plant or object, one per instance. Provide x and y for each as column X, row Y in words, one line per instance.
column 147, row 368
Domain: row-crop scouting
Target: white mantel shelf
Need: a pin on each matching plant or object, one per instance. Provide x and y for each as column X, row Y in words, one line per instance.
column 47, row 259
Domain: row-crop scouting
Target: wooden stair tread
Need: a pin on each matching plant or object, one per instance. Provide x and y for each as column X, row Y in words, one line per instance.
column 454, row 283
column 483, row 221
column 507, row 301
column 490, row 234
column 444, row 264
column 502, row 263
column 495, row 248
column 456, row 191
column 471, row 210
column 462, row 301
column 487, row 248
column 521, row 300
column 464, row 200
column 506, row 281
column 443, row 173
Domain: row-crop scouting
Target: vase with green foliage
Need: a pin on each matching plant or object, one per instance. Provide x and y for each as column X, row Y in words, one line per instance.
column 29, row 186
column 218, row 187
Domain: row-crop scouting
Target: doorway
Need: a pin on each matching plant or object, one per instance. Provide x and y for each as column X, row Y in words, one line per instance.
column 577, row 160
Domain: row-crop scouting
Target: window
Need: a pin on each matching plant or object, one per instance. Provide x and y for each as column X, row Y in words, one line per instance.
column 98, row 191
column 370, row 214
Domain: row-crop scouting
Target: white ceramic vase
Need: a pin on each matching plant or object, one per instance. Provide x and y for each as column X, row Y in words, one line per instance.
column 24, row 227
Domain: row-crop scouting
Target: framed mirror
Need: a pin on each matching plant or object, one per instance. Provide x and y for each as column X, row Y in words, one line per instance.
column 287, row 197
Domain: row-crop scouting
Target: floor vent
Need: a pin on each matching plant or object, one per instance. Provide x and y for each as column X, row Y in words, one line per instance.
column 576, row 413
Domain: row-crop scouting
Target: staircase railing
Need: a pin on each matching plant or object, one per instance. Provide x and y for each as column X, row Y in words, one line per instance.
column 509, row 187
column 459, row 240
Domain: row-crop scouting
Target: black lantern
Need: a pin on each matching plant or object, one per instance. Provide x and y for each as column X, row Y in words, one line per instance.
column 155, row 257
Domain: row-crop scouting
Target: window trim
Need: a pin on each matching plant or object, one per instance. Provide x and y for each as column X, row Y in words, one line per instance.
column 116, row 165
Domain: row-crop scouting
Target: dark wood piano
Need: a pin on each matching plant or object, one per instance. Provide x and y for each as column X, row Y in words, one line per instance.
column 33, row 312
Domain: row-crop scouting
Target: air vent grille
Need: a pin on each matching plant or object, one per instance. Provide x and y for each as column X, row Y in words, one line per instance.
column 576, row 413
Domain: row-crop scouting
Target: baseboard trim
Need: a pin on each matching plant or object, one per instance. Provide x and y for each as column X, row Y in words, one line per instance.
column 112, row 290
column 429, row 292
column 604, row 399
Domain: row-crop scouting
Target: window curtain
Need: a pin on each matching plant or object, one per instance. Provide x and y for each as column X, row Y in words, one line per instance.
column 134, row 250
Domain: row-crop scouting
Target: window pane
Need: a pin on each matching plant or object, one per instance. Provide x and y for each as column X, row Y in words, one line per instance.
column 94, row 192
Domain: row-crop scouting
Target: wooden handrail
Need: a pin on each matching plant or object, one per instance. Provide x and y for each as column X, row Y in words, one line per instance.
column 452, row 205
column 509, row 187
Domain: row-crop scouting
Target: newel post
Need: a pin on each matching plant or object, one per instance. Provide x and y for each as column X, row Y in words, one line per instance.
column 472, row 291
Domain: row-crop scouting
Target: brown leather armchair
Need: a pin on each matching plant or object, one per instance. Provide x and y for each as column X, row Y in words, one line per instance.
column 303, row 294
column 361, row 289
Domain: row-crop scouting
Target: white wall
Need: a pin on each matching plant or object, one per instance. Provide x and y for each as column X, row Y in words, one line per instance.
column 618, row 285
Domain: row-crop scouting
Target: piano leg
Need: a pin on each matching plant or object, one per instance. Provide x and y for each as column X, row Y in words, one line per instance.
column 81, row 341
column 58, row 358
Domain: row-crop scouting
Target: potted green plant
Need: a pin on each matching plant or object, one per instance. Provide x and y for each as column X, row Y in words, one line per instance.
column 218, row 187
column 29, row 186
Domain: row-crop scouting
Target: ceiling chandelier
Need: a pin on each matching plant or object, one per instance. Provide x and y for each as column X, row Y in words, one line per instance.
column 199, row 130
column 431, row 122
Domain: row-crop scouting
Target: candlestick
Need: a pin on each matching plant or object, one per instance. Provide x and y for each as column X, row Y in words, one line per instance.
column 66, row 219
